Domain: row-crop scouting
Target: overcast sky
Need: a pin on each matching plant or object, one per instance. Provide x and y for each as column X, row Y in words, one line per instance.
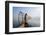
column 33, row 11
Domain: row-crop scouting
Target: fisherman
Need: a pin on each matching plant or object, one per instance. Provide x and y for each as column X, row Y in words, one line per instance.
column 25, row 24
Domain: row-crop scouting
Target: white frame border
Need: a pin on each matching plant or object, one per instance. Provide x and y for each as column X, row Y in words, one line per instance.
column 11, row 29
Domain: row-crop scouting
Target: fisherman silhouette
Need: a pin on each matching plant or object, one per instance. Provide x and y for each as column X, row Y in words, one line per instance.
column 25, row 24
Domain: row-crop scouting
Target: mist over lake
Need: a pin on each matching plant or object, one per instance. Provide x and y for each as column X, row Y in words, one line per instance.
column 34, row 22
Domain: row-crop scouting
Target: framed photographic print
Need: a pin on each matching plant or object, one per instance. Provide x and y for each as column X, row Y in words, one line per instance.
column 24, row 17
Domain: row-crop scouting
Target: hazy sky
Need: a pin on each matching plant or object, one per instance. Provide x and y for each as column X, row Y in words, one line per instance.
column 34, row 11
